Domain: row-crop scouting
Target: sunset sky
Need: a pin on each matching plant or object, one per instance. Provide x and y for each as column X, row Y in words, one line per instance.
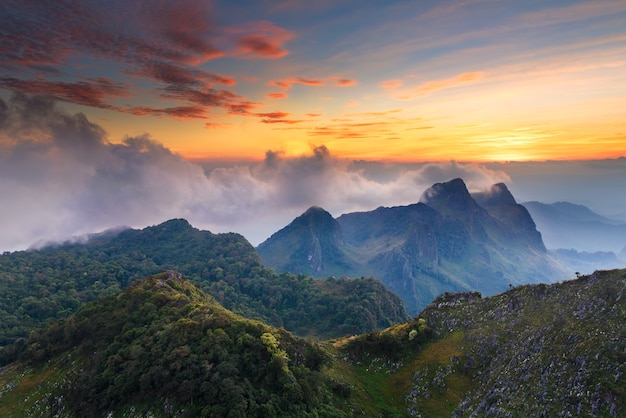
column 110, row 108
column 394, row 80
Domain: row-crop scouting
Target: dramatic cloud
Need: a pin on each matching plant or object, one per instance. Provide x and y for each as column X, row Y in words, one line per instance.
column 345, row 82
column 91, row 92
column 60, row 176
column 277, row 95
column 287, row 83
column 273, row 115
column 161, row 43
column 436, row 85
column 265, row 41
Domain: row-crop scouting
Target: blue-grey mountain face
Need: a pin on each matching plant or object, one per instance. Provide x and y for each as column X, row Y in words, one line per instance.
column 449, row 241
column 569, row 226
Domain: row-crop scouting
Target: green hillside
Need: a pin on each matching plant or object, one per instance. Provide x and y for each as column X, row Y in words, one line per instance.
column 164, row 348
column 40, row 286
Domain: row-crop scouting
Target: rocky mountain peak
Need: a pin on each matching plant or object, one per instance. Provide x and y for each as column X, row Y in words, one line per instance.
column 449, row 196
column 498, row 194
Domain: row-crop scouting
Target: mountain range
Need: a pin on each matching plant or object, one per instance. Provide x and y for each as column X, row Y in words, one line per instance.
column 164, row 348
column 450, row 241
column 569, row 226
column 39, row 286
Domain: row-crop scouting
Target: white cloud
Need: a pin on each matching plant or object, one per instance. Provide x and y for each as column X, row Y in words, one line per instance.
column 60, row 176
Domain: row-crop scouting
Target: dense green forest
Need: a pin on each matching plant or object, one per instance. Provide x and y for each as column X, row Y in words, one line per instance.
column 165, row 347
column 40, row 286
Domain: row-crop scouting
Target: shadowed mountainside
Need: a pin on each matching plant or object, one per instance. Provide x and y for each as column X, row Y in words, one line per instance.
column 568, row 226
column 450, row 241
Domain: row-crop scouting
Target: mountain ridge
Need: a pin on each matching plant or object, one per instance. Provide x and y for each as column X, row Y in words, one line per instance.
column 51, row 283
column 162, row 347
column 565, row 225
column 445, row 242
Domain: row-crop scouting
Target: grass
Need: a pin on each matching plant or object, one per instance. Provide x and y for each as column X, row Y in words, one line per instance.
column 434, row 355
column 28, row 387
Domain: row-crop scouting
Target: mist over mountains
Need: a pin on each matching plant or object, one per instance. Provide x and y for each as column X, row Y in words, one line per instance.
column 450, row 241
column 64, row 175
column 569, row 226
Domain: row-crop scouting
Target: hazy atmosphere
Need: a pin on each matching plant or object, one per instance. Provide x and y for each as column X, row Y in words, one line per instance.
column 238, row 116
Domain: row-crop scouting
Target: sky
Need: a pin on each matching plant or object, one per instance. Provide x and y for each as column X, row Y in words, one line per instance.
column 239, row 115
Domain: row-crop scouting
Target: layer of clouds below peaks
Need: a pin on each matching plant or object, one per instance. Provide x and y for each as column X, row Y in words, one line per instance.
column 61, row 177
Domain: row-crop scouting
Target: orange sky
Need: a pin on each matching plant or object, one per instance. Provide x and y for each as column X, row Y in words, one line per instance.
column 466, row 80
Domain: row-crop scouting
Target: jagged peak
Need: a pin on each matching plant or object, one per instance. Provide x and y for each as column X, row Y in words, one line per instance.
column 496, row 194
column 451, row 195
column 316, row 210
column 315, row 215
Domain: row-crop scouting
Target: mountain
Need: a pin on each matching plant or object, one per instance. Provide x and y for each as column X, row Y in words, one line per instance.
column 163, row 348
column 310, row 244
column 570, row 226
column 450, row 240
column 39, row 286
column 536, row 350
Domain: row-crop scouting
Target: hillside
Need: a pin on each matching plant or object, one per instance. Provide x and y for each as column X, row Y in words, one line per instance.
column 449, row 241
column 39, row 286
column 536, row 350
column 163, row 348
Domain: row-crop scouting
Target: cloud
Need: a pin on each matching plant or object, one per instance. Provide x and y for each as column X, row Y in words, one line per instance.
column 277, row 95
column 60, row 176
column 214, row 125
column 273, row 115
column 432, row 86
column 391, row 84
column 91, row 92
column 180, row 112
column 162, row 43
column 287, row 83
column 345, row 82
column 285, row 121
column 266, row 41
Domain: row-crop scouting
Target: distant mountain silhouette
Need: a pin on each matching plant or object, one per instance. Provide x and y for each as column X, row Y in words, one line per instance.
column 449, row 241
column 570, row 226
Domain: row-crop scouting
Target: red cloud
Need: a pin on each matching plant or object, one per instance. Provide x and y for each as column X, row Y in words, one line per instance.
column 177, row 75
column 180, row 112
column 281, row 84
column 212, row 125
column 265, row 41
column 287, row 83
column 87, row 93
column 261, row 46
column 286, row 121
column 432, row 86
column 277, row 95
column 273, row 115
column 242, row 108
column 160, row 42
column 345, row 82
